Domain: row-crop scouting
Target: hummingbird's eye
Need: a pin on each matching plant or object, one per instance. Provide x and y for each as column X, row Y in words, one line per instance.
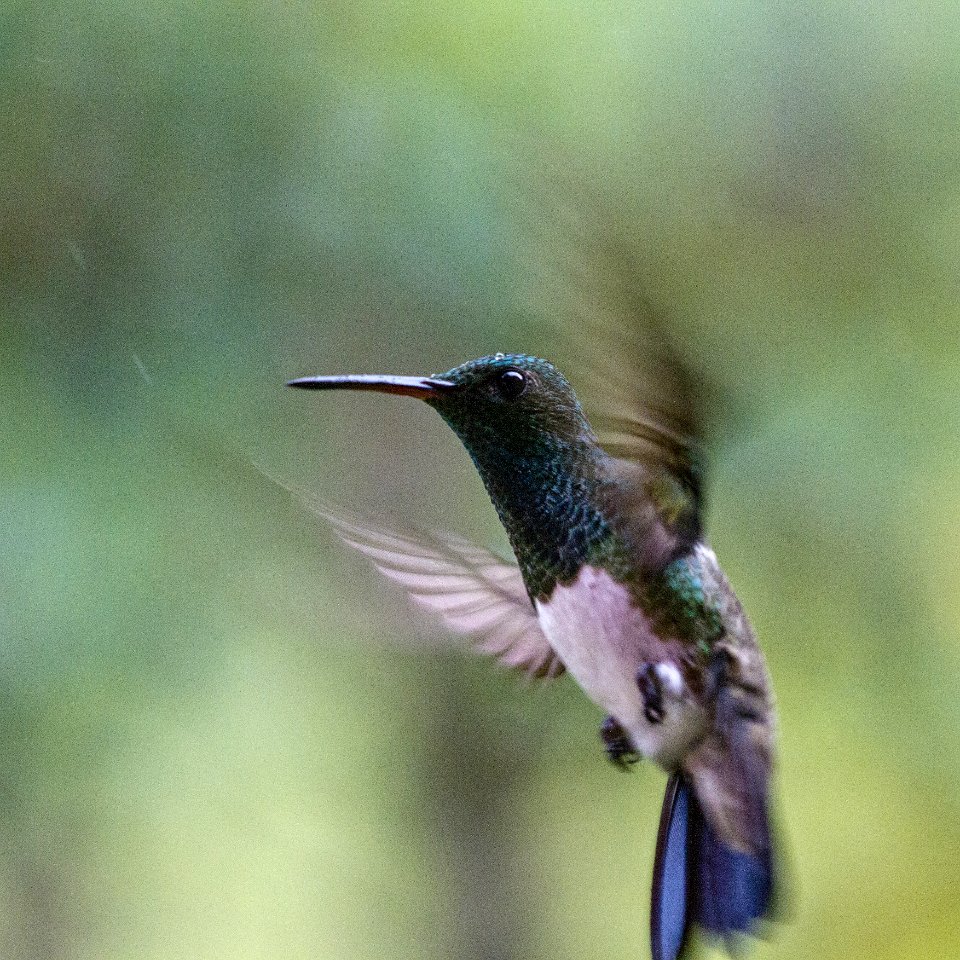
column 510, row 384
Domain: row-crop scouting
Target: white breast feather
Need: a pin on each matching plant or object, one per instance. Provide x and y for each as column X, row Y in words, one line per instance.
column 603, row 640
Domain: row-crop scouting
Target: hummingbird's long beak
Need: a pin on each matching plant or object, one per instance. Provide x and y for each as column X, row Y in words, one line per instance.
column 421, row 387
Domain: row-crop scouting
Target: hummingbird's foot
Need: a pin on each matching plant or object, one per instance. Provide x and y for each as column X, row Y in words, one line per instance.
column 617, row 744
column 651, row 690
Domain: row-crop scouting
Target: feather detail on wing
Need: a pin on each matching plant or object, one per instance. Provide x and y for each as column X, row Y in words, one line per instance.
column 470, row 590
column 647, row 408
column 649, row 411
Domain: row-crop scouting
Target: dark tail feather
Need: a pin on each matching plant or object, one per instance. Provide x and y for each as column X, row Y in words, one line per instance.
column 699, row 879
column 670, row 913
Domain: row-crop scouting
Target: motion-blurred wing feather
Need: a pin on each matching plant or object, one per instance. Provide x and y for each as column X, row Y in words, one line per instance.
column 471, row 590
column 646, row 407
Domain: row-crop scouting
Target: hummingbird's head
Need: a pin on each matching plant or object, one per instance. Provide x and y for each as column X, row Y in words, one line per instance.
column 524, row 429
column 505, row 405
column 510, row 405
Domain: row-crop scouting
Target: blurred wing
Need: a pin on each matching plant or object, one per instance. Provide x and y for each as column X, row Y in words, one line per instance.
column 646, row 406
column 648, row 418
column 471, row 590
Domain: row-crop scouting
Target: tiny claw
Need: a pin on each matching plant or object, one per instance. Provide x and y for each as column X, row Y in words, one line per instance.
column 652, row 693
column 617, row 744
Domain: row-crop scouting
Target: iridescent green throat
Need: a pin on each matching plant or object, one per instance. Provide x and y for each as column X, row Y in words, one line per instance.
column 545, row 503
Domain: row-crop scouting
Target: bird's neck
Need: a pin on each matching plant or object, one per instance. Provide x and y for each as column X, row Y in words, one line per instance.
column 547, row 502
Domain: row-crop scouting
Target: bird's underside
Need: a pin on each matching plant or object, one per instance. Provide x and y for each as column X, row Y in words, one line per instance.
column 609, row 646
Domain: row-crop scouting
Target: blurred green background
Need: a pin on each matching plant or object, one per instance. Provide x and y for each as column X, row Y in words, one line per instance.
column 216, row 741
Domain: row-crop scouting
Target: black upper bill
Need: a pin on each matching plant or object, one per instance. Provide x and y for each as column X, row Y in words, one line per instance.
column 404, row 386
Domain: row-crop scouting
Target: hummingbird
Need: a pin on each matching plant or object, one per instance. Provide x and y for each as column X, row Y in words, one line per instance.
column 615, row 584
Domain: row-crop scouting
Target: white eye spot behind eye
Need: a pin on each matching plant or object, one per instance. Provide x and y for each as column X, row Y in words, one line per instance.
column 499, row 356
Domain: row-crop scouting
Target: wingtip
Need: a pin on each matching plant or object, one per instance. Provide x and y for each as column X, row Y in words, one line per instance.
column 469, row 589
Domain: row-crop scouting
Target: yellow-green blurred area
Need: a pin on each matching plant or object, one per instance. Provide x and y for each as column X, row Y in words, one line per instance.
column 217, row 737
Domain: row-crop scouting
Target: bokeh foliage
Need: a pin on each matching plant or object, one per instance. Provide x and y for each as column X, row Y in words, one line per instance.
column 216, row 741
